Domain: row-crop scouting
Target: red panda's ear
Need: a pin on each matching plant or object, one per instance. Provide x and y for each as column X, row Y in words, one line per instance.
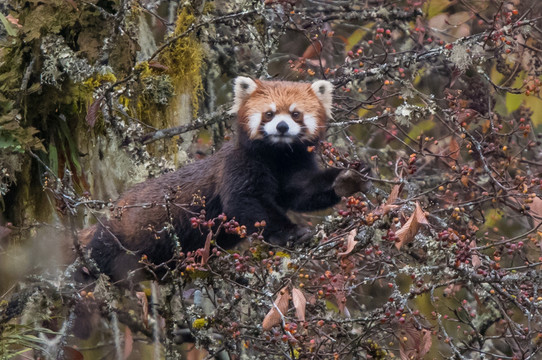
column 324, row 91
column 242, row 88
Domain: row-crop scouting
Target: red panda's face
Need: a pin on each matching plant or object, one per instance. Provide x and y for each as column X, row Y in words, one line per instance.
column 282, row 112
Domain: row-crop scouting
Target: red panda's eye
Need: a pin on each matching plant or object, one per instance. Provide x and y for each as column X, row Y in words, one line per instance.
column 269, row 115
column 296, row 115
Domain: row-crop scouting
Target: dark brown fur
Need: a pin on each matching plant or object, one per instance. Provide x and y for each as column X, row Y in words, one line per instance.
column 251, row 179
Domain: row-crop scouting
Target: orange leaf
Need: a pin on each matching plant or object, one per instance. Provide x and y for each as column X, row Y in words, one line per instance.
column 279, row 309
column 299, row 303
column 313, row 50
column 465, row 180
column 407, row 232
column 350, row 243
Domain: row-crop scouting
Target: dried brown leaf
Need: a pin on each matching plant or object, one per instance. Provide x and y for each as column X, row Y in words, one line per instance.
column 425, row 342
column 73, row 4
column 206, row 249
column 394, row 194
column 299, row 303
column 92, row 113
column 350, row 243
column 156, row 65
column 72, row 354
column 414, row 343
column 536, row 211
column 407, row 232
column 338, row 291
column 279, row 309
column 476, row 262
column 388, row 205
column 128, row 342
column 420, row 215
column 142, row 297
column 454, row 149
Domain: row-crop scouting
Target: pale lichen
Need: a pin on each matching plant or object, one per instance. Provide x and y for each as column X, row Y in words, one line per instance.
column 60, row 62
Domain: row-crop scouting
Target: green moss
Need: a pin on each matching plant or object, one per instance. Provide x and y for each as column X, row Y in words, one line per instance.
column 98, row 80
column 184, row 59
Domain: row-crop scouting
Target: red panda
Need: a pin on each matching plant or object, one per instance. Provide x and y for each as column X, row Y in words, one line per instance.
column 266, row 171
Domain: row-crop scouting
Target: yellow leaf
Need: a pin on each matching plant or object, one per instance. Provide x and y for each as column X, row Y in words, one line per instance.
column 513, row 101
column 418, row 129
column 356, row 37
column 435, row 7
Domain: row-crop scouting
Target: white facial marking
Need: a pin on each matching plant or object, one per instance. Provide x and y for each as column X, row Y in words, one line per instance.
column 273, row 107
column 254, row 122
column 292, row 107
column 271, row 128
column 324, row 91
column 310, row 123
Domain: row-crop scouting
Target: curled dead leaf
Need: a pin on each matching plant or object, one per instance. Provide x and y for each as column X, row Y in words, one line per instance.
column 389, row 204
column 415, row 343
column 407, row 232
column 475, row 259
column 92, row 113
column 279, row 309
column 143, row 301
column 536, row 210
column 350, row 243
column 454, row 150
column 206, row 249
column 299, row 303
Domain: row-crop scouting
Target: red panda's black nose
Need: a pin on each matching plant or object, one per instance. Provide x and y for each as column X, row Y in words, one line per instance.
column 282, row 127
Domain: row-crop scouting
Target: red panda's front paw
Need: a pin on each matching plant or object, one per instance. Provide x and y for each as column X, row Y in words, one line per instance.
column 303, row 234
column 350, row 182
column 297, row 234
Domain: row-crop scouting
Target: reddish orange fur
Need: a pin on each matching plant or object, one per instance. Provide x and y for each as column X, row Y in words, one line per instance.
column 283, row 94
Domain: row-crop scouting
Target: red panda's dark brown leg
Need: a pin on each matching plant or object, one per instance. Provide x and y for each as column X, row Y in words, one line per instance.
column 313, row 191
column 248, row 210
